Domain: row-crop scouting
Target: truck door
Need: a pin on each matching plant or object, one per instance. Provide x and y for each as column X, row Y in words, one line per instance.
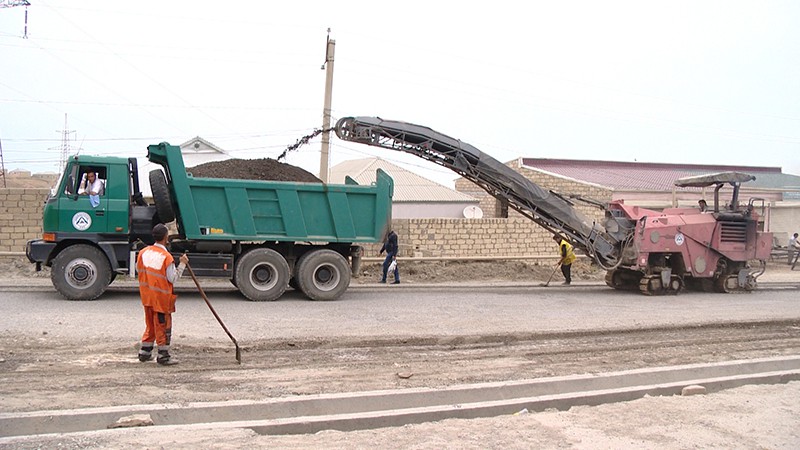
column 83, row 204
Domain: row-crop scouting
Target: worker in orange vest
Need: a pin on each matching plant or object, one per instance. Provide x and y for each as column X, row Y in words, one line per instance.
column 157, row 274
column 567, row 258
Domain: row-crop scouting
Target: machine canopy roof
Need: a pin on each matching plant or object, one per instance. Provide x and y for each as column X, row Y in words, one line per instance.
column 714, row 178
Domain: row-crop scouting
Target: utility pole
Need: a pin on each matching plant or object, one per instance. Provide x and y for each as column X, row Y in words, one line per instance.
column 325, row 157
column 11, row 4
column 2, row 164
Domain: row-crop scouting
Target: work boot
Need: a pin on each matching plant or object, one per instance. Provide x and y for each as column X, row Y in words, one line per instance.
column 382, row 281
column 396, row 282
column 165, row 359
column 566, row 283
column 146, row 354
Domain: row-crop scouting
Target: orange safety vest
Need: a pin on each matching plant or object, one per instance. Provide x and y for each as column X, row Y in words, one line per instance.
column 570, row 258
column 156, row 291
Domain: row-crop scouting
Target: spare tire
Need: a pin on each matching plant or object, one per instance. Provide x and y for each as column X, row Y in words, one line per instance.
column 158, row 184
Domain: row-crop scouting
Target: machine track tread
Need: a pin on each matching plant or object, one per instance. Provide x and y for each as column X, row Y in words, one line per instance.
column 646, row 287
column 721, row 285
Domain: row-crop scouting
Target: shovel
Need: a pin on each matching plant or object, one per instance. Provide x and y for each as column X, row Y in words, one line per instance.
column 203, row 294
column 551, row 275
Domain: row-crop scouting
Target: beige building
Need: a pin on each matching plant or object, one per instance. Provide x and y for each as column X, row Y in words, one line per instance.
column 414, row 196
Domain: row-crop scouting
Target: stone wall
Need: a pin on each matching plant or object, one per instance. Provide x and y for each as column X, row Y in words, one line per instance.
column 565, row 186
column 20, row 217
column 469, row 238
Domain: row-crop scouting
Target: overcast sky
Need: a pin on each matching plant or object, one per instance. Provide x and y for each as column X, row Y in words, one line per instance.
column 714, row 82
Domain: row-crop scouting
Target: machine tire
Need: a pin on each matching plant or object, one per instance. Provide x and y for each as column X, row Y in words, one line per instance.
column 262, row 275
column 81, row 272
column 323, row 275
column 158, row 184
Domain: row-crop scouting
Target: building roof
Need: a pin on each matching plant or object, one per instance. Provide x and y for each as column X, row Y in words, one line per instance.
column 636, row 176
column 200, row 145
column 408, row 186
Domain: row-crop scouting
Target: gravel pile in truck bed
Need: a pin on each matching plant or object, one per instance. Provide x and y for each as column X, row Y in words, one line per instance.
column 266, row 169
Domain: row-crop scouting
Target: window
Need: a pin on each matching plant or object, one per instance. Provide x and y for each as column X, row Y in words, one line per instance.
column 92, row 182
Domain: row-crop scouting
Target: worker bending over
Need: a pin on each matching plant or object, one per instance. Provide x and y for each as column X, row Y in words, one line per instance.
column 567, row 258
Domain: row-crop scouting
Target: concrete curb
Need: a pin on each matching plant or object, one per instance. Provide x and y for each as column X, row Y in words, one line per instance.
column 364, row 410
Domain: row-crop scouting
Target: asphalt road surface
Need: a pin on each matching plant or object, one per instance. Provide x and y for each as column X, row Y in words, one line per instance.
column 367, row 312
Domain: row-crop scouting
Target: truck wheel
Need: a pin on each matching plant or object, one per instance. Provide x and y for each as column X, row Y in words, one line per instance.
column 323, row 275
column 158, row 184
column 262, row 275
column 81, row 272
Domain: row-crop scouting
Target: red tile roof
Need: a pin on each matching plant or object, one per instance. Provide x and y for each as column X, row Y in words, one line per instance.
column 633, row 175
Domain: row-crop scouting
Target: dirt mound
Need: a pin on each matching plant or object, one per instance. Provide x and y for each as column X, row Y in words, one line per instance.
column 265, row 169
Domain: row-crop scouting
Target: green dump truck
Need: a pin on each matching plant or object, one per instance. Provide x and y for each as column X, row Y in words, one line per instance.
column 261, row 235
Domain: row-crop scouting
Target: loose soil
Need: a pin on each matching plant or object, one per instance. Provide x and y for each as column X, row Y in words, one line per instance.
column 47, row 373
column 253, row 169
column 455, row 271
column 44, row 374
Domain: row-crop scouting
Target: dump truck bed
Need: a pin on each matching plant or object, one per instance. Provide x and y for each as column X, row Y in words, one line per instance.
column 249, row 210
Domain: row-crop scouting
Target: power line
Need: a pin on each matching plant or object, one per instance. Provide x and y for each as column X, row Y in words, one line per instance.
column 154, row 105
column 145, row 73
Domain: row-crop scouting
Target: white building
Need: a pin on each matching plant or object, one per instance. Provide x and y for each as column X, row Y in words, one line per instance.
column 195, row 151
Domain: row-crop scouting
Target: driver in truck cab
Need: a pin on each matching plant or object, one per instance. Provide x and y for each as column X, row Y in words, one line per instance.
column 91, row 185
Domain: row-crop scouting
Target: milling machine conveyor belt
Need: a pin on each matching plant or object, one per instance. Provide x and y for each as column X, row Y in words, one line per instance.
column 544, row 207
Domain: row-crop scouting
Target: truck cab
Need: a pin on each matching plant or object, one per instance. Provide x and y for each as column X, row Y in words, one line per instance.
column 86, row 234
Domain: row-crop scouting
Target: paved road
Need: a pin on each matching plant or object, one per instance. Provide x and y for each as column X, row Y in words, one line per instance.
column 389, row 311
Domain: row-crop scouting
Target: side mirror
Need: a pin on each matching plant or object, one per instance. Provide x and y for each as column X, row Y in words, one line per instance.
column 70, row 184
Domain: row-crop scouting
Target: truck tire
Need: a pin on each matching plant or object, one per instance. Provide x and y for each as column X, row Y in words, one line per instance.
column 158, row 184
column 323, row 275
column 81, row 272
column 262, row 275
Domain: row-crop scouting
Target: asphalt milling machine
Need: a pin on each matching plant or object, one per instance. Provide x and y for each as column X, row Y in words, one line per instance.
column 656, row 252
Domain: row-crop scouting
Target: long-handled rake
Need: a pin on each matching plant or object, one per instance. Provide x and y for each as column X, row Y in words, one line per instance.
column 203, row 294
column 551, row 275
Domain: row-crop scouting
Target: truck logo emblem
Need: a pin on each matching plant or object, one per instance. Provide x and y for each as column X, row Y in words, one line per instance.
column 81, row 221
column 679, row 239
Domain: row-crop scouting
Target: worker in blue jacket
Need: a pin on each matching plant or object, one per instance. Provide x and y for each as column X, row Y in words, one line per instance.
column 390, row 247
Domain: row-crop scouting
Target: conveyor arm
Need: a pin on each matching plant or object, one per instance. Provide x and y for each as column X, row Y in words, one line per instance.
column 546, row 208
